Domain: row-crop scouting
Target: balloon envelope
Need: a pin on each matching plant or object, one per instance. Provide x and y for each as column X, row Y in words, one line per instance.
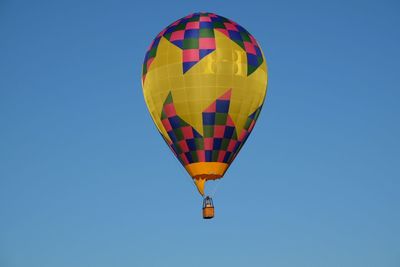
column 204, row 82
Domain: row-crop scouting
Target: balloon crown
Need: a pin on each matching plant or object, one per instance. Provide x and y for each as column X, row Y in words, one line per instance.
column 195, row 36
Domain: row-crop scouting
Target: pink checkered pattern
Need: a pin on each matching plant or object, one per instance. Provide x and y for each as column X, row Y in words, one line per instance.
column 187, row 132
column 250, row 48
column 178, row 35
column 208, row 143
column 194, row 25
column 191, row 55
column 206, row 43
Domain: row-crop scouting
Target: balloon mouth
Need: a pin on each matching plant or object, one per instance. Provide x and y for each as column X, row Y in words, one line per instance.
column 204, row 171
column 207, row 170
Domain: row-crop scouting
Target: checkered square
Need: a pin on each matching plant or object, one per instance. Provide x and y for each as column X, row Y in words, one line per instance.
column 192, row 25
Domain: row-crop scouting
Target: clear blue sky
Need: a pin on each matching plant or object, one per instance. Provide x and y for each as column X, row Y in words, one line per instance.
column 86, row 180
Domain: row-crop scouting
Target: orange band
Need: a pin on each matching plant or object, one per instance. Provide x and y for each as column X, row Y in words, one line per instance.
column 207, row 170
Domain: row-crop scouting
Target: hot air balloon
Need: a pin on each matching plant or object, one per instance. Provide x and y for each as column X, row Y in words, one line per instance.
column 204, row 82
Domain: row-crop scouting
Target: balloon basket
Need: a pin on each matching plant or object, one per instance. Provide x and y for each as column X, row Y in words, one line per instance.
column 208, row 208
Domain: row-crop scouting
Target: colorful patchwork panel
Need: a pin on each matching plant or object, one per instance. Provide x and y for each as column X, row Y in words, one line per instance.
column 194, row 34
column 248, row 127
column 242, row 37
column 219, row 130
column 219, row 143
column 185, row 140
